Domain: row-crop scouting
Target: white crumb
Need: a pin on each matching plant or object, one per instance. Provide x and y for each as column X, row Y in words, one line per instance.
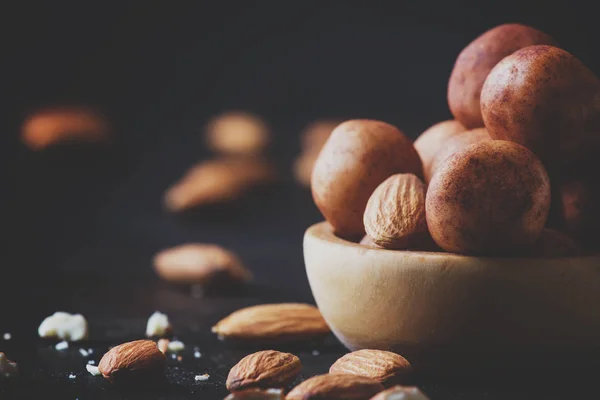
column 316, row 352
column 83, row 352
column 92, row 369
column 72, row 376
column 64, row 326
column 197, row 354
column 90, row 351
column 173, row 356
column 176, row 346
column 158, row 325
column 201, row 378
column 7, row 336
column 91, row 362
column 62, row 345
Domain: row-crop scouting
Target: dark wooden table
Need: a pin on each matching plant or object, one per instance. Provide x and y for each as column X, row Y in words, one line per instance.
column 83, row 230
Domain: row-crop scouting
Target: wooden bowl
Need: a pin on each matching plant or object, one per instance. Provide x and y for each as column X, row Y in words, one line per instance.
column 449, row 312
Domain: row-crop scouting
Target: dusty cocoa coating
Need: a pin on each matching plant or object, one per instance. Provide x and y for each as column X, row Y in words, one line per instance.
column 490, row 199
column 357, row 157
column 476, row 61
column 553, row 243
column 431, row 141
column 454, row 144
column 547, row 100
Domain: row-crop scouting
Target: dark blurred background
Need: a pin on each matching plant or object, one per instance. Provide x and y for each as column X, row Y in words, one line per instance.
column 160, row 70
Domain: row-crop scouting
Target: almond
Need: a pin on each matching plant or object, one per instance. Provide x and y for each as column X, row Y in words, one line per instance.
column 237, row 133
column 64, row 124
column 256, row 394
column 132, row 361
column 273, row 322
column 205, row 264
column 401, row 393
column 336, row 386
column 395, row 213
column 264, row 369
column 218, row 181
column 383, row 366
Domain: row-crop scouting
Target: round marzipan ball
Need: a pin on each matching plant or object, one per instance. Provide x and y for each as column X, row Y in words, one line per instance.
column 454, row 144
column 432, row 140
column 476, row 61
column 357, row 157
column 490, row 199
column 547, row 100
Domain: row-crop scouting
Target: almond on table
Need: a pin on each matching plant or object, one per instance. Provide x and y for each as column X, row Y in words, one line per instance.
column 284, row 322
column 218, row 181
column 264, row 369
column 336, row 386
column 401, row 393
column 199, row 263
column 140, row 360
column 383, row 366
column 257, row 394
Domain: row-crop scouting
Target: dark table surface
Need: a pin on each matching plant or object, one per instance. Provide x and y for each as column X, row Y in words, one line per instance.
column 84, row 224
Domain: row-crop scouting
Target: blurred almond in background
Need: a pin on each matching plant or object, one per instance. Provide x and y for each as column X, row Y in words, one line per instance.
column 64, row 124
column 312, row 139
column 218, row 181
column 237, row 133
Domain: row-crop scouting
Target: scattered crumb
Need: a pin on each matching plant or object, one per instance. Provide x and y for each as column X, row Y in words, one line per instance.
column 90, row 351
column 64, row 326
column 62, row 345
column 92, row 369
column 158, row 325
column 176, row 346
column 83, row 352
column 7, row 336
column 173, row 356
column 163, row 345
column 91, row 362
column 201, row 378
column 316, row 352
column 72, row 376
column 179, row 358
column 197, row 354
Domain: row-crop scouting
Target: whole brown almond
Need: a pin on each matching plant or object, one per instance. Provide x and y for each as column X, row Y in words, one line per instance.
column 285, row 322
column 237, row 133
column 264, row 370
column 256, row 394
column 395, row 214
column 199, row 263
column 334, row 387
column 401, row 393
column 218, row 181
column 140, row 360
column 383, row 366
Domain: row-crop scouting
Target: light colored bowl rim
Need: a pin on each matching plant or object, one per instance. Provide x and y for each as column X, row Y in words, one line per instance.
column 323, row 231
